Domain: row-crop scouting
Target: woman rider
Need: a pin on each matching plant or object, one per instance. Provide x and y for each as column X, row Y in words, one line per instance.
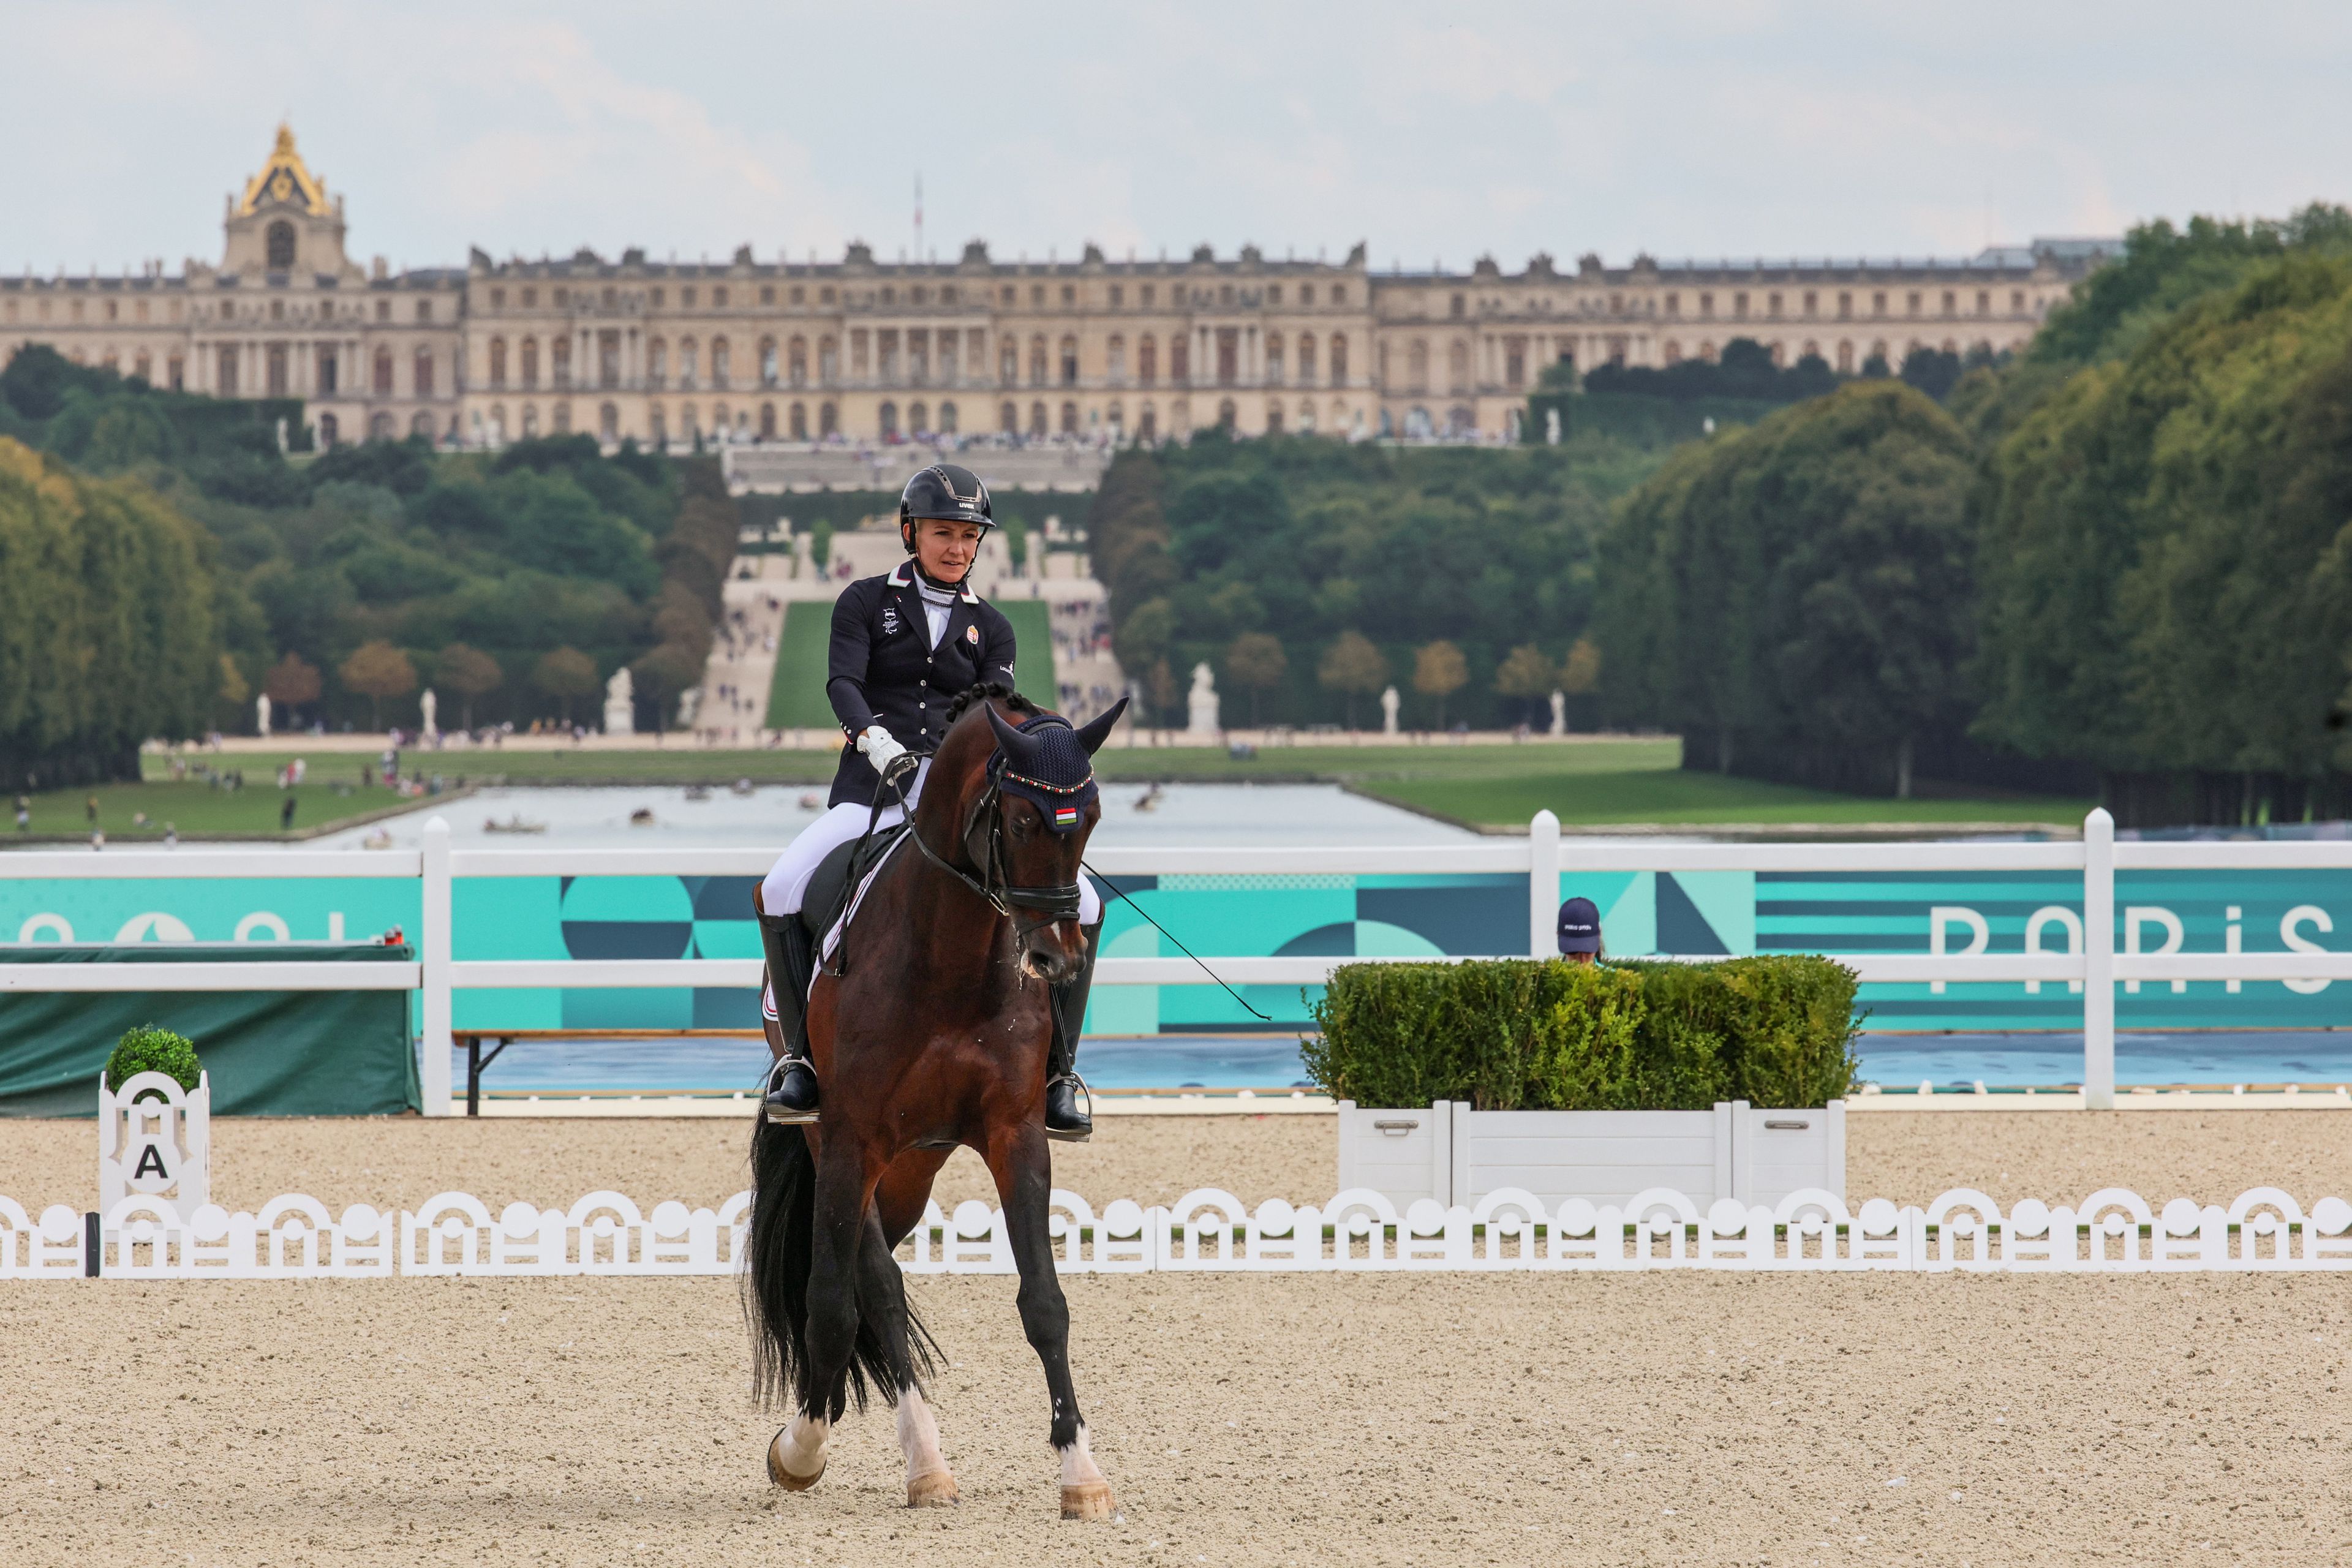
column 904, row 644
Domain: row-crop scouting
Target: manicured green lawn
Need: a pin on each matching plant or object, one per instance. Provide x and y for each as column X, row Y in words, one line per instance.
column 1595, row 783
column 199, row 808
column 796, row 698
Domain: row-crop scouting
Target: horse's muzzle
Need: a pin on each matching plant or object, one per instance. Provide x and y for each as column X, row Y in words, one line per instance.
column 1046, row 959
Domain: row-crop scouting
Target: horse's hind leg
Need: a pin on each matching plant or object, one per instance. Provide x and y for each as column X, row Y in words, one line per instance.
column 796, row 1456
column 1025, row 1183
column 882, row 1303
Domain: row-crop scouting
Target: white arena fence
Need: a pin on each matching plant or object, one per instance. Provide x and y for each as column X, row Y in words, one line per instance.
column 2091, row 961
column 1208, row 1231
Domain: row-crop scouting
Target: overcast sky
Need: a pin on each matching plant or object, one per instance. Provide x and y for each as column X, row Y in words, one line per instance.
column 1434, row 133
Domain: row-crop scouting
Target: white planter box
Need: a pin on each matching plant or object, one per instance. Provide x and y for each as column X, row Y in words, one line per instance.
column 1458, row 1155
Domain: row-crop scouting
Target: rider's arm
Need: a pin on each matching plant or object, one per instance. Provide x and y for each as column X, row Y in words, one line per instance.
column 845, row 664
column 996, row 647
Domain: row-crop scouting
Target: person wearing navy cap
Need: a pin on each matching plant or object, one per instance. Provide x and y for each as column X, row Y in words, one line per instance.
column 1579, row 931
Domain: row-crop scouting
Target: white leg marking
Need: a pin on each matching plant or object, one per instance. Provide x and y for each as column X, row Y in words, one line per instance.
column 800, row 1445
column 1078, row 1462
column 918, row 1436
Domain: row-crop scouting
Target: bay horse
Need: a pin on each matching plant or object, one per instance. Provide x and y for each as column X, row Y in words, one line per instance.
column 928, row 1035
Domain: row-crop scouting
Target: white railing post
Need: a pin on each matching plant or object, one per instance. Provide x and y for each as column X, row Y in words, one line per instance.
column 2099, row 959
column 434, row 948
column 1543, row 885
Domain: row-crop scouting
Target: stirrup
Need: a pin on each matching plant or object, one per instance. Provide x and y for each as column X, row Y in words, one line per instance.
column 1086, row 1116
column 773, row 1109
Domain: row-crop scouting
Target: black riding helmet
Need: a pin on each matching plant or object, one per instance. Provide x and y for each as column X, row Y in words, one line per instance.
column 943, row 490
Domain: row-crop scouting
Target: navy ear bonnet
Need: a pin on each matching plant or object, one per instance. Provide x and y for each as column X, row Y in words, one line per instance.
column 1047, row 766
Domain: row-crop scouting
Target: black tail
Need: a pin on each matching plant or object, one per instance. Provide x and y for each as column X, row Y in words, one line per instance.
column 776, row 1281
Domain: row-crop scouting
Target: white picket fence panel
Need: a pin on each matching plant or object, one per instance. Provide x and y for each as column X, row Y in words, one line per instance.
column 1209, row 1230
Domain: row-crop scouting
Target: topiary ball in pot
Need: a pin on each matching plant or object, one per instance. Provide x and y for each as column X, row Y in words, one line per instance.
column 149, row 1049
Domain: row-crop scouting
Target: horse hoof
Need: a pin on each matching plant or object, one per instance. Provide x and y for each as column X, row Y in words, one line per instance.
column 782, row 1477
column 1087, row 1499
column 935, row 1489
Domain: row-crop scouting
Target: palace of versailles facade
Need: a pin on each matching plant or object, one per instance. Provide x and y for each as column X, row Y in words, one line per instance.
column 865, row 350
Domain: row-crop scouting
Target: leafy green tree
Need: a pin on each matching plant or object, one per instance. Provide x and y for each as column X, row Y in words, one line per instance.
column 1354, row 667
column 1526, row 675
column 1257, row 661
column 470, row 673
column 377, row 670
column 565, row 673
column 1439, row 671
column 1802, row 591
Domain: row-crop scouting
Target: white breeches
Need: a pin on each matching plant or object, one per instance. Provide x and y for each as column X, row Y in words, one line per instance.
column 786, row 884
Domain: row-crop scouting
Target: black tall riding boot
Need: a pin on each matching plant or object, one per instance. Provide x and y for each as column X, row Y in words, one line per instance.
column 792, row 962
column 1064, row 1119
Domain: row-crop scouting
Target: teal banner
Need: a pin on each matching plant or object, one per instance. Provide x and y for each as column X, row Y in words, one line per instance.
column 593, row 919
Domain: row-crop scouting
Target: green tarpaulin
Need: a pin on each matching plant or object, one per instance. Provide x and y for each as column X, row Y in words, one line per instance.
column 268, row 1053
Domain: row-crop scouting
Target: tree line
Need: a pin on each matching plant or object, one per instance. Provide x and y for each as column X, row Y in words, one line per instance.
column 345, row 583
column 2122, row 561
column 1310, row 574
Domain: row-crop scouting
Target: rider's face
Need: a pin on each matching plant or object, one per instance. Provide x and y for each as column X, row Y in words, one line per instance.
column 946, row 547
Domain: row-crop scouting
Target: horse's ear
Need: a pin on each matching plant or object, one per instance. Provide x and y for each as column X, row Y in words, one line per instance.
column 1017, row 747
column 1095, row 731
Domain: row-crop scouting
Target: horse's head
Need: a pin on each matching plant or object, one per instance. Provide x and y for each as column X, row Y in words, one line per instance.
column 1022, row 807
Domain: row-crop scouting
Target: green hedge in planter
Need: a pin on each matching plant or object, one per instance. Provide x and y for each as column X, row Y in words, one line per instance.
column 1547, row 1035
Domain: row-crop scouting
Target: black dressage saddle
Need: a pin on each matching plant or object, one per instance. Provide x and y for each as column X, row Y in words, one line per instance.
column 837, row 877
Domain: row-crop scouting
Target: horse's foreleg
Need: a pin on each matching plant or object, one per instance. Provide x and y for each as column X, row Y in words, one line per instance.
column 1024, row 1184
column 882, row 1295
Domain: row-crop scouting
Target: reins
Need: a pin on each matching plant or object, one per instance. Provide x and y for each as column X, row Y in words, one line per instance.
column 1055, row 901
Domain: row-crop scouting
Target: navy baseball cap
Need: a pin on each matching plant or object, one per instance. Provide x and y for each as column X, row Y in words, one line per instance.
column 1579, row 926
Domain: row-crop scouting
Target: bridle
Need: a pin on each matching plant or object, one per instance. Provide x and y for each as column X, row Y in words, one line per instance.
column 1054, row 901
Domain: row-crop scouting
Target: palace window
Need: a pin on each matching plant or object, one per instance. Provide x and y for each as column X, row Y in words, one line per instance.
column 656, row 362
column 828, row 420
column 767, row 422
column 828, row 361
column 1739, row 306
column 1911, row 302
column 1878, row 303
column 383, row 373
column 799, row 296
column 559, row 364
column 1116, row 358
column 1037, row 361
column 1845, row 357
column 1069, row 361
column 1460, row 305
column 798, row 421
column 563, row 299
column 1273, row 359
column 279, row 242
column 1951, row 303
column 824, row 296
column 531, row 362
column 1339, row 359
column 685, row 297
column 1146, row 359
column 686, row 362
column 1984, row 302
column 768, row 363
column 1146, row 295
column 1339, row 295
column 324, row 376
column 530, row 299
column 718, row 299
column 1179, row 351
column 1307, row 359
column 1117, row 296
column 1037, row 302
column 1037, row 419
column 1707, row 307
column 1812, row 304
column 768, row 297
column 796, row 361
column 947, row 418
column 176, row 374
column 1069, row 296
column 1274, row 294
column 383, row 310
column 423, row 373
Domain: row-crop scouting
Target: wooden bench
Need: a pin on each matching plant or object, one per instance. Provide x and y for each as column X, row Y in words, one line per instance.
column 477, row 1058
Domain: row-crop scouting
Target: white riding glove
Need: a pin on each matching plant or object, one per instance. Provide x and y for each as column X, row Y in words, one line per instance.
column 882, row 749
